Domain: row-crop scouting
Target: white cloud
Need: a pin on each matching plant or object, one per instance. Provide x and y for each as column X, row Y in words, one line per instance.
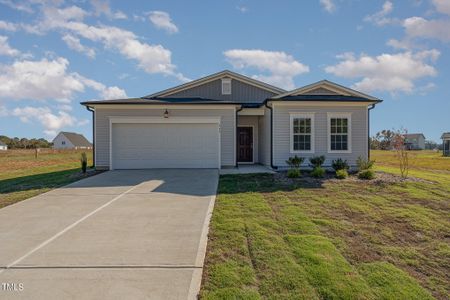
column 442, row 6
column 20, row 6
column 243, row 9
column 47, row 80
column 6, row 49
column 386, row 72
column 418, row 27
column 8, row 26
column 380, row 18
column 162, row 20
column 52, row 122
column 103, row 7
column 75, row 44
column 328, row 5
column 281, row 66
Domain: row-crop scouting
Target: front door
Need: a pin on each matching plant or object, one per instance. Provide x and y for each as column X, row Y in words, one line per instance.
column 245, row 144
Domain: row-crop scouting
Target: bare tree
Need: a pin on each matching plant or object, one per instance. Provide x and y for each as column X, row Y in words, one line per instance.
column 401, row 150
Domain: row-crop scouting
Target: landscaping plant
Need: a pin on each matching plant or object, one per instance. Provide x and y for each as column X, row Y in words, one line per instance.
column 294, row 165
column 341, row 174
column 401, row 151
column 317, row 161
column 84, row 162
column 339, row 164
column 318, row 172
column 364, row 164
column 366, row 174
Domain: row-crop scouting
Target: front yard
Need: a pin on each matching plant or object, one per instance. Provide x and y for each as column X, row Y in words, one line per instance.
column 331, row 239
column 22, row 175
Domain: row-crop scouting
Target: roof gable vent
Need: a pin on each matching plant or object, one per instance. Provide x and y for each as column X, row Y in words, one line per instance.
column 226, row 86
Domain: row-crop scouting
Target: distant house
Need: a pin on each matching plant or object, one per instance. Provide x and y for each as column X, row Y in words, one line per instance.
column 446, row 143
column 71, row 140
column 415, row 141
column 3, row 146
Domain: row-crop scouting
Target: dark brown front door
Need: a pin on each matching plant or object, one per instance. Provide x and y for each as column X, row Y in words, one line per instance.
column 245, row 144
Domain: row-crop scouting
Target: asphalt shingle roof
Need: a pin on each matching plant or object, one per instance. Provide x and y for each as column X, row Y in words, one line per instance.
column 78, row 140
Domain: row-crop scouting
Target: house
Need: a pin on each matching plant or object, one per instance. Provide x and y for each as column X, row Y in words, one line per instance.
column 3, row 146
column 415, row 141
column 446, row 143
column 227, row 119
column 71, row 140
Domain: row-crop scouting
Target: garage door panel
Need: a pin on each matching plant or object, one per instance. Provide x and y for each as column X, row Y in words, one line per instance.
column 137, row 146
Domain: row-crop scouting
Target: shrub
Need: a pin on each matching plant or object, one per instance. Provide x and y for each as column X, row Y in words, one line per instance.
column 318, row 172
column 339, row 164
column 317, row 161
column 341, row 174
column 295, row 162
column 84, row 162
column 366, row 174
column 293, row 173
column 364, row 164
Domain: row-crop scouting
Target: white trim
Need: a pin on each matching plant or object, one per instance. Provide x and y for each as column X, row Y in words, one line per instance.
column 347, row 115
column 253, row 145
column 252, row 112
column 295, row 115
column 162, row 106
column 328, row 85
column 235, row 137
column 162, row 120
column 225, row 81
column 216, row 76
column 319, row 103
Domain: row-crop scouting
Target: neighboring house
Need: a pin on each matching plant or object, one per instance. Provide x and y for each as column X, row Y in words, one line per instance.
column 227, row 119
column 70, row 140
column 3, row 146
column 446, row 143
column 415, row 141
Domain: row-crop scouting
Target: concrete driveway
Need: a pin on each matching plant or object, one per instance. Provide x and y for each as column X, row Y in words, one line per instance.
column 131, row 234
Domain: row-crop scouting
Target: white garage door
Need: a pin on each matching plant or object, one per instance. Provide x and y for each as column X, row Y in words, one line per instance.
column 154, row 145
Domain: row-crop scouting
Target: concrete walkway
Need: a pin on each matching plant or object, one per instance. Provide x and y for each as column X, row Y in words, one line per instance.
column 246, row 169
column 137, row 234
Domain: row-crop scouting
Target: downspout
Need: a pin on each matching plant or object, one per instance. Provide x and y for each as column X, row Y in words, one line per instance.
column 93, row 134
column 271, row 134
column 368, row 130
column 237, row 144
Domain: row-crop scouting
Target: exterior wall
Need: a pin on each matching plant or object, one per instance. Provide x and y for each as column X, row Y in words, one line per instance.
column 446, row 146
column 252, row 121
column 264, row 138
column 3, row 147
column 59, row 139
column 281, row 143
column 102, row 130
column 240, row 92
column 421, row 143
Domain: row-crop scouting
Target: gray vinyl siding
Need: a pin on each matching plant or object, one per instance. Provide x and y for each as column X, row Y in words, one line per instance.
column 102, row 115
column 359, row 136
column 252, row 121
column 240, row 92
column 264, row 138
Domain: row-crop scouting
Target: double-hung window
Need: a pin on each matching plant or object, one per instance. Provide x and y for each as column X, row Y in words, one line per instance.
column 339, row 132
column 302, row 133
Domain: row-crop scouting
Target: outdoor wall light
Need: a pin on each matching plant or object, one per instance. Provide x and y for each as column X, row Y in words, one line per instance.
column 166, row 114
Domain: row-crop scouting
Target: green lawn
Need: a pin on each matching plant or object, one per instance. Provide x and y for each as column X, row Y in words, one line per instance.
column 277, row 239
column 23, row 176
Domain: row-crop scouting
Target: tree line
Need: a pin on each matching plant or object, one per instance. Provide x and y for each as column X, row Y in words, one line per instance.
column 384, row 140
column 24, row 143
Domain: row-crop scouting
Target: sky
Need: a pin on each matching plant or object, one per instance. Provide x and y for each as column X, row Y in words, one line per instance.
column 55, row 54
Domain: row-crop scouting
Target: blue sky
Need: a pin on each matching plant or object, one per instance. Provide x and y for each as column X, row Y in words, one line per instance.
column 55, row 54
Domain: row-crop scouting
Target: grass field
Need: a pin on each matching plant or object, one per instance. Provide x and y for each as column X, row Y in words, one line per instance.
column 275, row 239
column 23, row 176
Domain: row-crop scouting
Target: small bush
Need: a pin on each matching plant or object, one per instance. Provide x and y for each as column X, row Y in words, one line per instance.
column 339, row 164
column 317, row 161
column 366, row 174
column 341, row 174
column 295, row 162
column 364, row 164
column 318, row 172
column 84, row 162
column 293, row 173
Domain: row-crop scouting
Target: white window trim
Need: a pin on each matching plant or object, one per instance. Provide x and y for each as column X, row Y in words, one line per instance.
column 226, row 81
column 291, row 131
column 349, row 132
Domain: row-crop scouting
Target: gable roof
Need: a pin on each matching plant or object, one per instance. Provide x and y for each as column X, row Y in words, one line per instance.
column 215, row 76
column 445, row 135
column 78, row 140
column 333, row 88
column 413, row 135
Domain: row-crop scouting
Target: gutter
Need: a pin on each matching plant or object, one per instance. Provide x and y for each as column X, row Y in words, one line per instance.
column 236, row 140
column 368, row 130
column 93, row 134
column 271, row 134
